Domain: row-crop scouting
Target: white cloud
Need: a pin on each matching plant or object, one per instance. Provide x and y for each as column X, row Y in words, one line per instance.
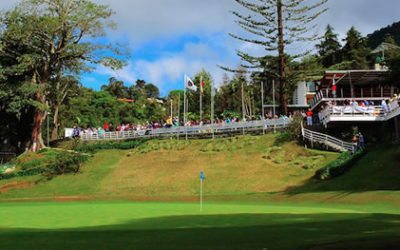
column 170, row 68
column 166, row 21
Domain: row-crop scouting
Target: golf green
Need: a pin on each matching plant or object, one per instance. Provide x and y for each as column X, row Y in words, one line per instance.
column 162, row 225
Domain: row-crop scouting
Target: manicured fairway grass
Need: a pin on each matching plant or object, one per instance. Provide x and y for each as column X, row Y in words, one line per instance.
column 160, row 225
column 259, row 195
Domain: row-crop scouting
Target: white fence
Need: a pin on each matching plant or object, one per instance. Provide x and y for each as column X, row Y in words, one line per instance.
column 358, row 113
column 189, row 131
column 327, row 140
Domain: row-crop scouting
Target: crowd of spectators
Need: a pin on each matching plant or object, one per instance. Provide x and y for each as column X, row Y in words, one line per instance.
column 364, row 106
column 170, row 122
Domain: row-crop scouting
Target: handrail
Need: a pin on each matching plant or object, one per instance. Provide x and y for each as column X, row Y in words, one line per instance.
column 192, row 131
column 376, row 112
column 328, row 140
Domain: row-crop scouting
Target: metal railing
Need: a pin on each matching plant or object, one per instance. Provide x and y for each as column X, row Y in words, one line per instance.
column 327, row 140
column 190, row 131
column 377, row 113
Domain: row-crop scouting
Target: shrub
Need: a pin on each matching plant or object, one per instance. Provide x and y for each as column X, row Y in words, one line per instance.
column 339, row 166
column 89, row 147
column 27, row 172
column 64, row 164
column 292, row 132
column 48, row 162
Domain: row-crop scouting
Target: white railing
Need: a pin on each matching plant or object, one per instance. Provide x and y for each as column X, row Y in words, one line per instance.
column 358, row 113
column 327, row 140
column 189, row 131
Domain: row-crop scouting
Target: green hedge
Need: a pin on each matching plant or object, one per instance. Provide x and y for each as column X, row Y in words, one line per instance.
column 27, row 172
column 51, row 163
column 90, row 147
column 339, row 166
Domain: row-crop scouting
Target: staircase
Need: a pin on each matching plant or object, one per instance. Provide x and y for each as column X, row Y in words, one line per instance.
column 329, row 141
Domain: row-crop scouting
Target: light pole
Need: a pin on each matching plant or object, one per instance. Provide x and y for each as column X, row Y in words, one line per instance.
column 48, row 128
column 262, row 106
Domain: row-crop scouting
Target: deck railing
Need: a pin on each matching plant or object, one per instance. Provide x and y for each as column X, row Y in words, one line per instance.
column 327, row 140
column 358, row 113
column 190, row 131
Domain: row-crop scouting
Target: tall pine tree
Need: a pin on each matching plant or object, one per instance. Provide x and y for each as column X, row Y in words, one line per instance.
column 274, row 25
column 329, row 48
column 355, row 50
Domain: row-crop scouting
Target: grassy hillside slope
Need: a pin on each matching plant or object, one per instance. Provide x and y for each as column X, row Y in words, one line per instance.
column 170, row 168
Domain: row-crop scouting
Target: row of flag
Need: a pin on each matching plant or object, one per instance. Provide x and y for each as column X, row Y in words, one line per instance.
column 189, row 84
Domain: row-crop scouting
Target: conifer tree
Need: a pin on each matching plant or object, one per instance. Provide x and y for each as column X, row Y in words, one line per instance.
column 355, row 49
column 274, row 25
column 329, row 48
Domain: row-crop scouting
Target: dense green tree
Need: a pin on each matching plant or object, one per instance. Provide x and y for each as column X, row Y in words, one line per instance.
column 378, row 36
column 152, row 91
column 49, row 39
column 274, row 25
column 329, row 48
column 355, row 49
column 116, row 88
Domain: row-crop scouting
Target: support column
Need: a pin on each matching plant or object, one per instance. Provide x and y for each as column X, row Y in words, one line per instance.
column 351, row 86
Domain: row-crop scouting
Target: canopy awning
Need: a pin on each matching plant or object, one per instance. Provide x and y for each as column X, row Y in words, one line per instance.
column 355, row 77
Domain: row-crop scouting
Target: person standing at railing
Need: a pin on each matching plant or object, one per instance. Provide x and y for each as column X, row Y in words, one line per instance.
column 75, row 132
column 384, row 107
column 360, row 141
column 101, row 132
column 333, row 88
column 106, row 127
column 309, row 117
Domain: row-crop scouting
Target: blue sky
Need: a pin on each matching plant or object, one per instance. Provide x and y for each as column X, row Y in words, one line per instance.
column 168, row 38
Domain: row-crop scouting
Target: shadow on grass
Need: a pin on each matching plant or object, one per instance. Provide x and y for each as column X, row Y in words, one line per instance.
column 237, row 231
column 377, row 171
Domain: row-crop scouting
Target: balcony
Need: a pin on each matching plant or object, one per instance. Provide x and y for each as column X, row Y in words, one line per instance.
column 353, row 113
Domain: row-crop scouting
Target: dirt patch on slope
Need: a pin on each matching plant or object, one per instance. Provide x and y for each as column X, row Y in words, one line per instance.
column 15, row 185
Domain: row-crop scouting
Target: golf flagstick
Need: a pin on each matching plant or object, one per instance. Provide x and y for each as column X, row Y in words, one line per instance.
column 202, row 177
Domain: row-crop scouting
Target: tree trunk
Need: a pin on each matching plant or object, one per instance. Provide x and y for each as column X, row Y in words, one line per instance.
column 282, row 63
column 36, row 138
column 54, row 131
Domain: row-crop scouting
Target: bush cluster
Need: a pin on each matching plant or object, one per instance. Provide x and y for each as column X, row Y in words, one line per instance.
column 47, row 162
column 27, row 172
column 88, row 147
column 65, row 164
column 339, row 166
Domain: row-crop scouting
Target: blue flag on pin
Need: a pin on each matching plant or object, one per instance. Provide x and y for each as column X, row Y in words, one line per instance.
column 202, row 176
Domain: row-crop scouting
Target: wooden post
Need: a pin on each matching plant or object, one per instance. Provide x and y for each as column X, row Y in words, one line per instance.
column 351, row 86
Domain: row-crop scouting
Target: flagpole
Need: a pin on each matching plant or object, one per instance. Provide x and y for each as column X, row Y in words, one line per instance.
column 201, row 99
column 184, row 104
column 212, row 108
column 171, row 110
column 273, row 103
column 201, row 195
column 262, row 106
column 179, row 113
column 187, row 114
